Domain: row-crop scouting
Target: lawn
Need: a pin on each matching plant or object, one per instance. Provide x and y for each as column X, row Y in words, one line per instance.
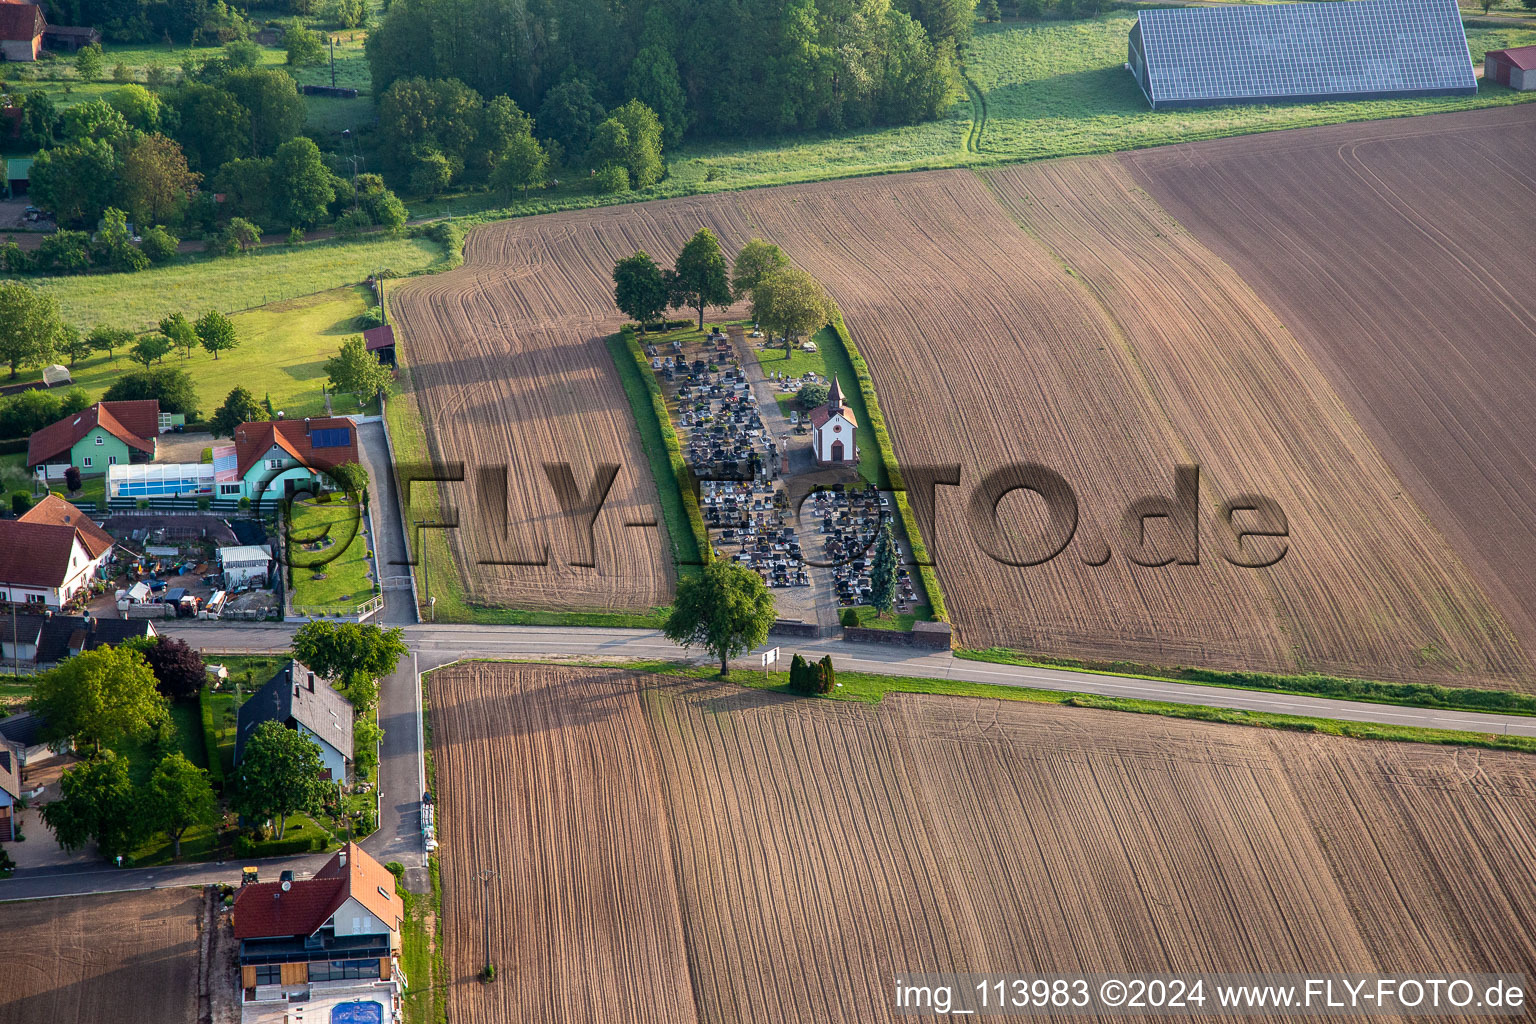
column 829, row 358
column 347, row 580
column 902, row 623
column 197, row 283
column 281, row 356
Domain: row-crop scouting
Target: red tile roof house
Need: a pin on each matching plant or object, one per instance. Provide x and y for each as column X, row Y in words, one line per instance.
column 285, row 456
column 331, row 939
column 21, row 30
column 106, row 434
column 49, row 554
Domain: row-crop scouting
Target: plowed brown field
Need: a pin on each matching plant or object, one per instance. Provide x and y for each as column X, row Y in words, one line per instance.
column 1253, row 408
column 128, row 958
column 1402, row 254
column 1050, row 314
column 677, row 851
column 511, row 372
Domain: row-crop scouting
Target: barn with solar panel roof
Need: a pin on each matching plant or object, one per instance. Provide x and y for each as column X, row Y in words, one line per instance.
column 1277, row 53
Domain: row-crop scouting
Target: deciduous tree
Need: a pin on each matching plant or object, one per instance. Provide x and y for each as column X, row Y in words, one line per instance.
column 150, row 348
column 355, row 370
column 240, row 406
column 303, row 47
column 178, row 797
column 756, row 260
column 179, row 670
column 156, row 181
column 702, row 275
column 179, row 332
column 73, row 344
column 29, row 326
column 354, row 654
column 279, row 775
column 98, row 697
column 108, row 339
column 216, row 332
column 726, row 609
column 638, row 288
column 790, row 302
column 171, row 387
column 97, row 803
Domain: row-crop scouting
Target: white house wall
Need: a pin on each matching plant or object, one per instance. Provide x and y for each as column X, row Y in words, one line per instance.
column 353, row 919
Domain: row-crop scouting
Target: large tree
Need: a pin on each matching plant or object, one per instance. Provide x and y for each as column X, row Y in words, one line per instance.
column 155, row 178
column 521, row 165
column 179, row 670
column 354, row 370
column 179, row 332
column 29, row 326
column 630, row 138
column 703, row 278
column 211, row 125
column 108, row 339
column 240, row 406
column 272, row 100
column 790, row 302
column 150, row 348
column 354, row 654
column 76, row 181
column 302, row 187
column 178, row 797
column 97, row 803
column 638, row 288
column 726, row 609
column 279, row 775
column 756, row 260
column 172, row 387
column 216, row 332
column 98, row 697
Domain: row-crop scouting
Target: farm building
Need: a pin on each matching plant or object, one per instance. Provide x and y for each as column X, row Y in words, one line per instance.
column 245, row 563
column 95, row 439
column 381, row 342
column 70, row 38
column 833, row 430
column 21, row 30
column 1268, row 53
column 330, row 943
column 286, row 456
column 298, row 699
column 49, row 554
column 1515, row 68
column 18, row 173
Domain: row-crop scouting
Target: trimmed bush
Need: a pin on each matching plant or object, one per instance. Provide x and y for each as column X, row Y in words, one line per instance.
column 211, row 740
column 850, row 617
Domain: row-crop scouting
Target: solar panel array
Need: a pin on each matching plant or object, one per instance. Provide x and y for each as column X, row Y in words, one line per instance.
column 1341, row 49
column 331, row 437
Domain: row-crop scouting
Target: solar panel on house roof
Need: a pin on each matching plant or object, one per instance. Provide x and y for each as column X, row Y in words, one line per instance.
column 1346, row 49
column 331, row 437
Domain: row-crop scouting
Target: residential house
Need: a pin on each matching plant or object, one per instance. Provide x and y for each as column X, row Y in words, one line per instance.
column 10, row 790
column 24, row 732
column 301, row 700
column 106, row 434
column 50, row 554
column 21, row 30
column 281, row 457
column 64, row 636
column 18, row 639
column 324, row 943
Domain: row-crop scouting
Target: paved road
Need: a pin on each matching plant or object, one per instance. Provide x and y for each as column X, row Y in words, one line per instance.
column 400, row 773
column 437, row 645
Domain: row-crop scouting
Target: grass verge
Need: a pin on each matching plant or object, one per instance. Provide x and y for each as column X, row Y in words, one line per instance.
column 1422, row 695
column 869, row 688
column 679, row 505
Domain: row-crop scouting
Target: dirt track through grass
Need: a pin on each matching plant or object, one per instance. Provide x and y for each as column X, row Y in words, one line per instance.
column 686, row 850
